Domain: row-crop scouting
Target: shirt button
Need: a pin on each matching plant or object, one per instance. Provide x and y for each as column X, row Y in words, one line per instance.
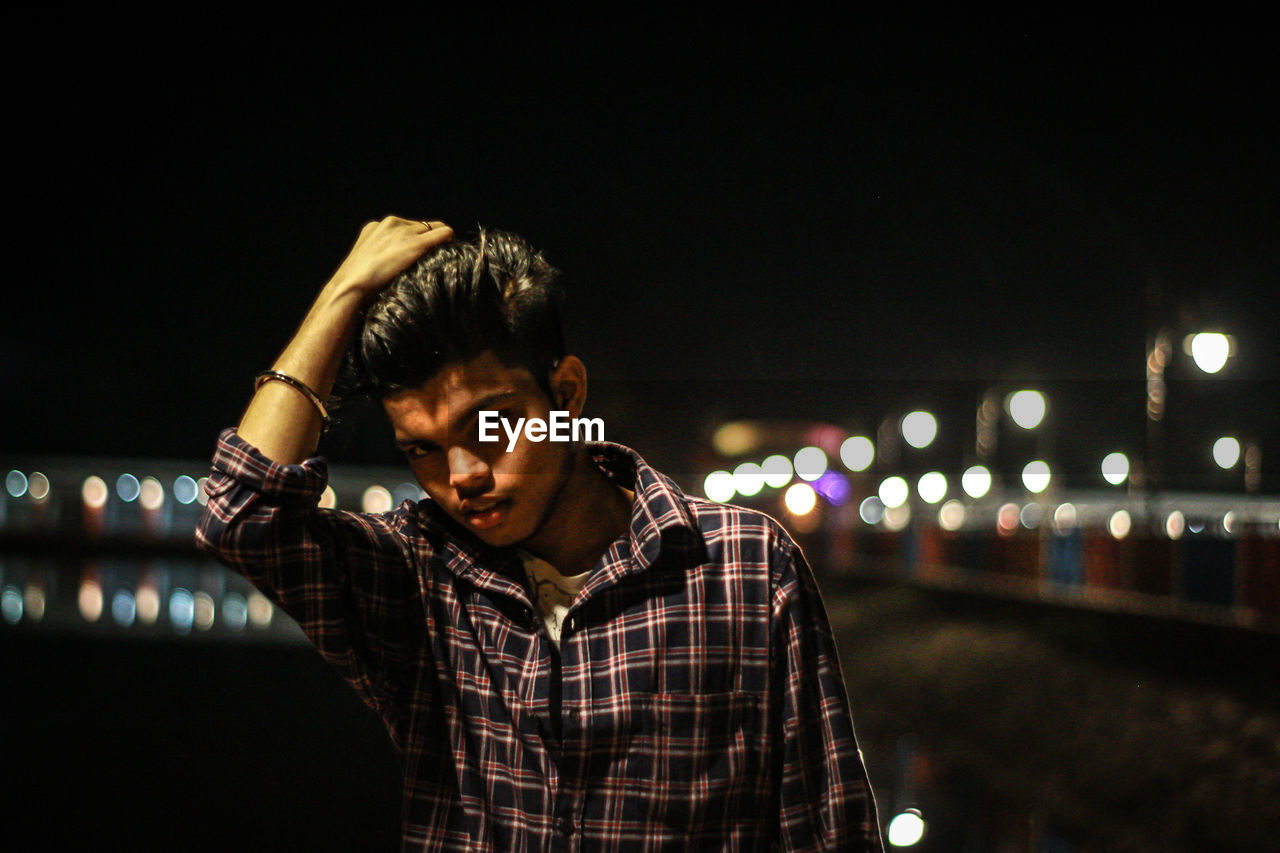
column 573, row 623
column 566, row 825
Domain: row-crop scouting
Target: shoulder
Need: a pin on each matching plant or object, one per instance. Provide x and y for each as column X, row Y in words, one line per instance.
column 741, row 534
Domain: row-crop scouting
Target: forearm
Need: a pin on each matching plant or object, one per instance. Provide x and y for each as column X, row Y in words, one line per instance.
column 280, row 421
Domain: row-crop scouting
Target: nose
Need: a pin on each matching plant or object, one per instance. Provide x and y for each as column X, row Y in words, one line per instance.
column 467, row 472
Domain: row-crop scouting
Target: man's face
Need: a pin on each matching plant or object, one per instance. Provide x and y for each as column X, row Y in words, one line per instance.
column 503, row 497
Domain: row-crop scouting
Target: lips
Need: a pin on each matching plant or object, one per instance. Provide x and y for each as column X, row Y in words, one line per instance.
column 480, row 514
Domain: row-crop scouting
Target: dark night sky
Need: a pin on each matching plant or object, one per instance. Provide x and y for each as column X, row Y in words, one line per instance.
column 819, row 224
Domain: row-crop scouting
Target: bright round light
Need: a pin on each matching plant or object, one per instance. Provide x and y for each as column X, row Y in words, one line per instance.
column 906, row 829
column 94, row 492
column 748, row 479
column 15, row 483
column 128, row 487
column 810, row 463
column 1027, row 408
column 951, row 516
column 919, row 429
column 1036, row 476
column 1031, row 516
column 1008, row 517
column 203, row 610
column 718, row 487
column 1064, row 518
column 800, row 499
column 39, row 488
column 11, row 605
column 33, row 601
column 871, row 510
column 1115, row 468
column 1120, row 524
column 1226, row 452
column 90, row 600
column 777, row 471
column 976, row 482
column 185, row 490
column 376, row 499
column 1229, row 522
column 1210, row 351
column 894, row 491
column 857, row 453
column 151, row 494
column 328, row 498
column 1175, row 525
column 202, row 497
column 124, row 609
column 181, row 610
column 932, row 487
column 261, row 610
column 896, row 517
column 235, row 611
column 148, row 603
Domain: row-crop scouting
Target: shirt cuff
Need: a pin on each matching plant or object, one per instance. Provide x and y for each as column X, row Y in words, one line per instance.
column 237, row 462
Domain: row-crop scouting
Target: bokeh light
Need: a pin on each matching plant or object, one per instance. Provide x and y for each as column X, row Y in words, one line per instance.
column 906, row 829
column 94, row 492
column 185, row 490
column 1120, row 523
column 39, row 486
column 127, row 488
column 718, row 486
column 777, row 471
column 376, row 499
column 1226, row 452
column 1115, row 468
column 810, row 463
column 800, row 499
column 893, row 491
column 1036, row 476
column 1210, row 351
column 15, row 483
column 748, row 479
column 1175, row 524
column 932, row 487
column 976, row 482
column 1027, row 408
column 857, row 453
column 871, row 510
column 951, row 516
column 919, row 429
column 834, row 487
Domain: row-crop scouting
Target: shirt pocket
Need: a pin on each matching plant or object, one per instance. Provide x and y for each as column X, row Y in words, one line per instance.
column 699, row 759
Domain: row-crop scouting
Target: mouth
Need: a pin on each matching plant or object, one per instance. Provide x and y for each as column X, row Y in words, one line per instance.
column 482, row 514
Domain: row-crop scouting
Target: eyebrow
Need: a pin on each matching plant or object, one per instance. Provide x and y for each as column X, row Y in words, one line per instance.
column 464, row 417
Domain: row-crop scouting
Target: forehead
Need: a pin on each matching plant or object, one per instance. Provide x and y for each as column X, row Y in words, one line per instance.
column 460, row 387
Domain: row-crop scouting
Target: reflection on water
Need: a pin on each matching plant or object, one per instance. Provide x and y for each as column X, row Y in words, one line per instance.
column 129, row 596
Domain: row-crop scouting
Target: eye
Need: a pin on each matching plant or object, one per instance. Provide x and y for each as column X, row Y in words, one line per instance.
column 418, row 450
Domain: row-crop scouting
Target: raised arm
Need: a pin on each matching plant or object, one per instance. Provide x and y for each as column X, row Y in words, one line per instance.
column 281, row 421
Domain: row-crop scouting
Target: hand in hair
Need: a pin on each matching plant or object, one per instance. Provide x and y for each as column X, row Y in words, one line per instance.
column 385, row 248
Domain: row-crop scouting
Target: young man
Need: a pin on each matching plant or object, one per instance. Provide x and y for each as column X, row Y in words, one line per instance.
column 568, row 652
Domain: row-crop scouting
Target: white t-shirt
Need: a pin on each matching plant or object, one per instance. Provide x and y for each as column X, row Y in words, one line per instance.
column 552, row 592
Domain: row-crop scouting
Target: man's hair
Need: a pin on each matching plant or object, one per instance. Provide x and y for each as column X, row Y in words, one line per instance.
column 495, row 292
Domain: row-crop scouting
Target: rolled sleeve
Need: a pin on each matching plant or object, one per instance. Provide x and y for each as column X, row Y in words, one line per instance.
column 826, row 801
column 344, row 577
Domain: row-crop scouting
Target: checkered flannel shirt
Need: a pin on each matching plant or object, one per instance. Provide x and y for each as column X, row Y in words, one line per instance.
column 696, row 702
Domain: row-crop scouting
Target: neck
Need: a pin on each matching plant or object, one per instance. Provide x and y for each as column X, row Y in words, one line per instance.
column 590, row 512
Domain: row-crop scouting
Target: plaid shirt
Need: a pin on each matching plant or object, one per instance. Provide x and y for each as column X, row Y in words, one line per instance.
column 696, row 702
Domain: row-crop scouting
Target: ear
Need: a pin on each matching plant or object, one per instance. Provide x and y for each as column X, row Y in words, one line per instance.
column 569, row 385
